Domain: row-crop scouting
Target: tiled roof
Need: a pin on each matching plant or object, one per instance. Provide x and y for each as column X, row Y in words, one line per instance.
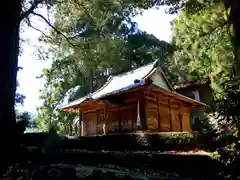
column 124, row 81
column 118, row 83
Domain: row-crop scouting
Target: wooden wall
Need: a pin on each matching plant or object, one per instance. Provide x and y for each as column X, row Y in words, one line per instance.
column 115, row 120
column 158, row 113
column 166, row 115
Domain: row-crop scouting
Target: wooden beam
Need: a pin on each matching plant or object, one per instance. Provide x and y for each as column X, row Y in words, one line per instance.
column 105, row 119
column 163, row 99
column 120, row 107
column 133, row 90
column 158, row 114
column 170, row 114
column 97, row 123
column 175, row 95
column 108, row 109
column 92, row 110
column 119, row 120
column 180, row 118
column 133, row 97
column 153, row 109
column 150, row 99
column 146, row 114
column 164, row 103
column 80, row 122
column 142, row 109
column 134, row 115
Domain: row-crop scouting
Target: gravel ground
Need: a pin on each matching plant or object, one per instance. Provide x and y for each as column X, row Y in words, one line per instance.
column 82, row 172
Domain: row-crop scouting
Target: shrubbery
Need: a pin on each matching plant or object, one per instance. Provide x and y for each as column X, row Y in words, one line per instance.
column 128, row 141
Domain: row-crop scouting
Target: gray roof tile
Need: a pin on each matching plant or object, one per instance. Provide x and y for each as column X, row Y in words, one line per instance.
column 118, row 83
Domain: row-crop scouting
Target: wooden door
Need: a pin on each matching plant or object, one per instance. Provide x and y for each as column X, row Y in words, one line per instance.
column 100, row 122
column 152, row 120
column 165, row 118
column 176, row 122
column 127, row 119
column 91, row 123
column 113, row 121
column 186, row 122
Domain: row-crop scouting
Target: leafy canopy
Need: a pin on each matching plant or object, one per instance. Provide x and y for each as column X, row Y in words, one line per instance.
column 100, row 40
column 203, row 48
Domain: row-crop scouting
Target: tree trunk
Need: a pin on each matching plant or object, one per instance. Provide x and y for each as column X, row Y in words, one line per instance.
column 90, row 79
column 9, row 48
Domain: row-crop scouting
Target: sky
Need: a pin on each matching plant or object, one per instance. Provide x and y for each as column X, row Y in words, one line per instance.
column 154, row 21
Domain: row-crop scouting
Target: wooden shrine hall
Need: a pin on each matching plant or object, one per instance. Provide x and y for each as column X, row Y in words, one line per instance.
column 141, row 99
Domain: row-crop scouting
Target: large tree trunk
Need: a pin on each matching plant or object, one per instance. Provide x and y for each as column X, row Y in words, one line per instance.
column 90, row 80
column 9, row 48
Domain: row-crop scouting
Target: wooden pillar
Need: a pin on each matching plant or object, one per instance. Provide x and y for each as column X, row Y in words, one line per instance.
column 81, row 119
column 143, row 114
column 146, row 114
column 82, row 127
column 170, row 114
column 119, row 120
column 158, row 114
column 138, row 117
column 180, row 117
column 97, row 122
column 105, row 119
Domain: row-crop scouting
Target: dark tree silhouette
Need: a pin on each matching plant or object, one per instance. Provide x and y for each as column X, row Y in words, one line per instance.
column 9, row 51
column 9, row 48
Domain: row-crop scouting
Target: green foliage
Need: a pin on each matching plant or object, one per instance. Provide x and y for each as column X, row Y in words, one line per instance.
column 101, row 41
column 24, row 118
column 174, row 6
column 216, row 155
column 226, row 154
column 203, row 48
column 226, row 139
column 230, row 13
column 125, row 141
column 228, row 107
column 178, row 137
column 206, row 128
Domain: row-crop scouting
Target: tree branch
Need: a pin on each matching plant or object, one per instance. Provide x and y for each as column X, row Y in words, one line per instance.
column 30, row 25
column 54, row 28
column 30, row 10
column 34, row 6
column 39, row 31
column 214, row 29
column 60, row 33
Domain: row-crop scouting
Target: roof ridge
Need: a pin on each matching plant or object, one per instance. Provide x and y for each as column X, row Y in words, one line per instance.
column 136, row 69
column 166, row 79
